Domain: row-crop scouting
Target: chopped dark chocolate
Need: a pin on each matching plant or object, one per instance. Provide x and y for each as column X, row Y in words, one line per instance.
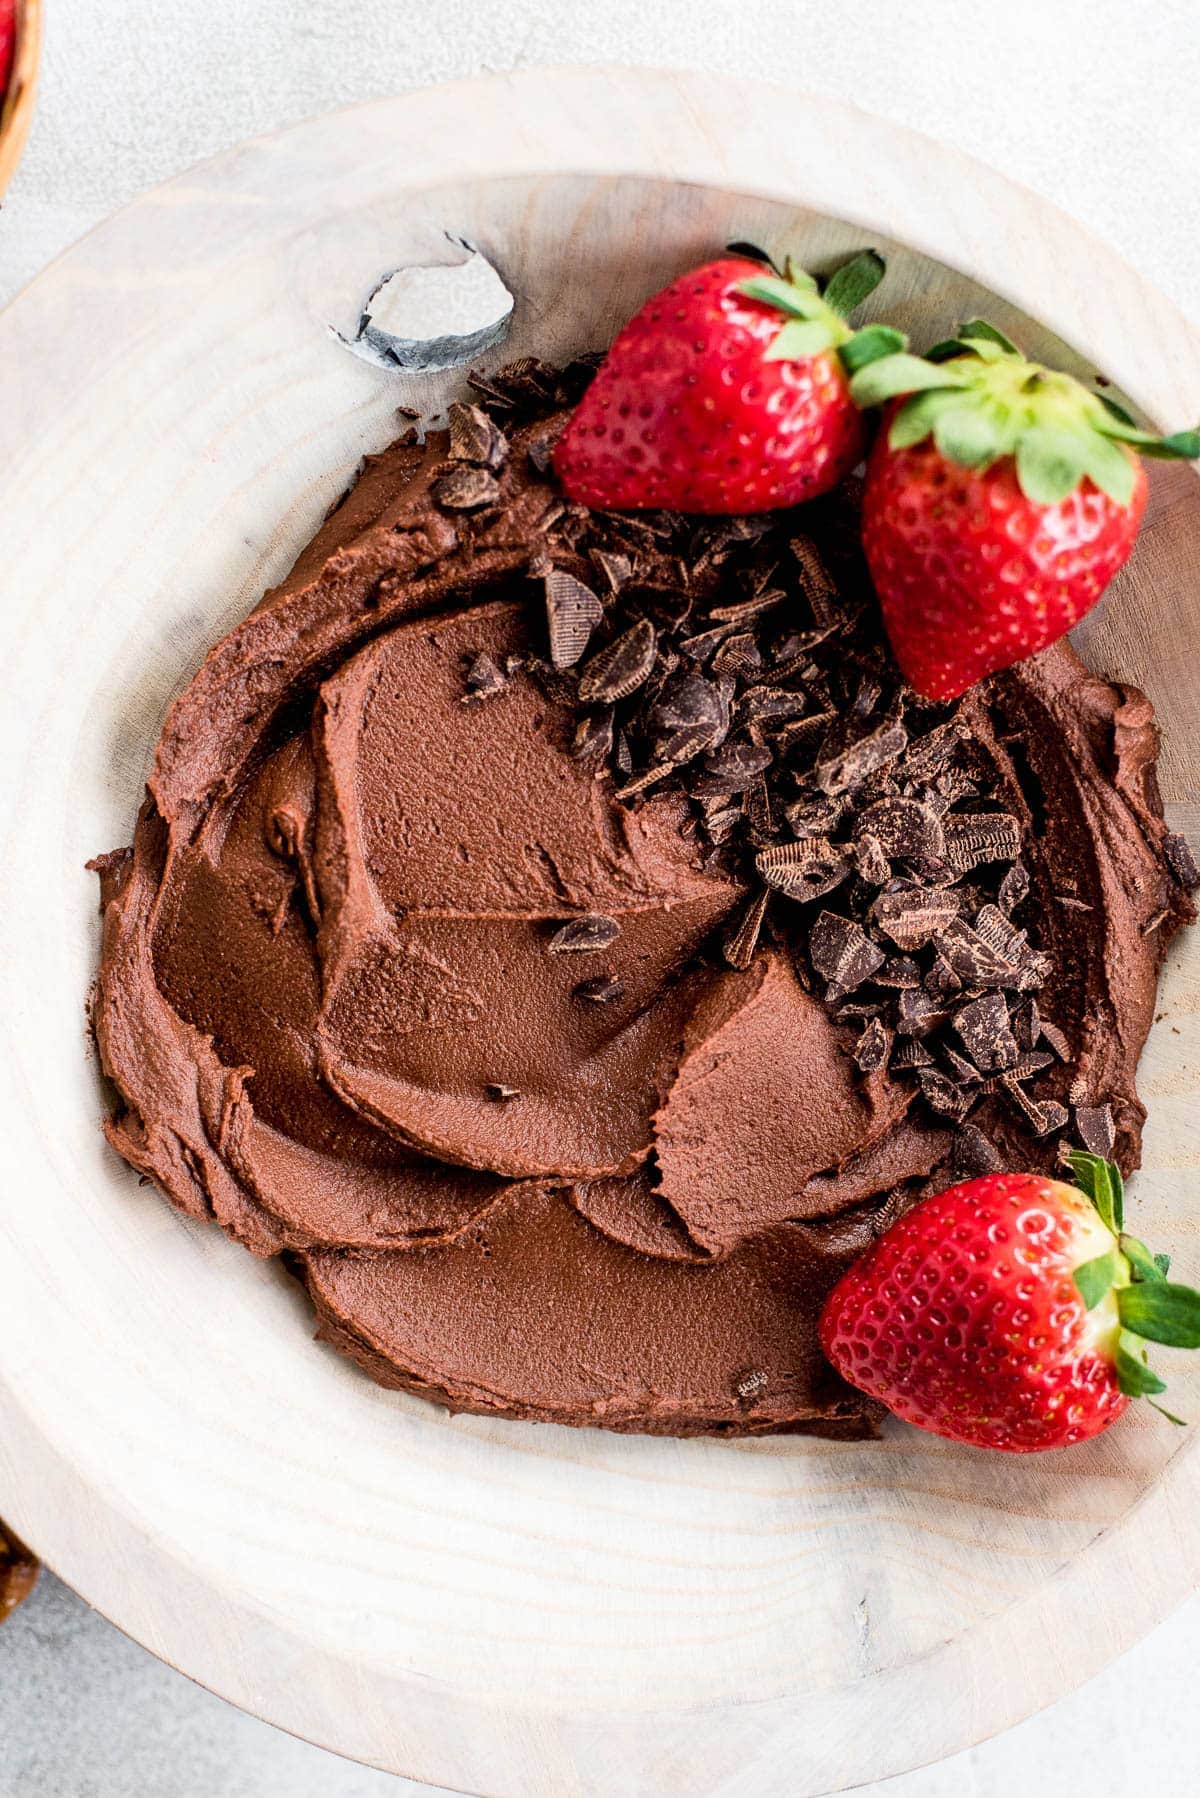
column 871, row 1050
column 584, row 935
column 983, row 1026
column 742, row 942
column 902, row 827
column 615, row 672
column 972, row 1154
column 1181, row 861
column 1095, row 1129
column 465, row 489
column 842, row 953
column 572, row 613
column 602, row 989
column 973, row 838
column 484, row 677
column 804, row 870
column 847, row 768
column 914, row 916
column 476, row 437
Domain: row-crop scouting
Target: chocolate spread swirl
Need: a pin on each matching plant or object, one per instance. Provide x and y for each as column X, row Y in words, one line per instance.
column 393, row 983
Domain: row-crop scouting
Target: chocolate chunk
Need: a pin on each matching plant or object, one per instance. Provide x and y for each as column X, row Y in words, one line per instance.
column 584, row 935
column 942, row 1095
column 475, row 437
column 484, row 678
column 986, row 1035
column 1029, row 1064
column 1071, row 902
column 736, row 766
column 760, row 811
column 603, row 989
column 842, row 953
column 495, row 1090
column 927, row 756
column 804, row 870
column 902, row 827
column 620, row 669
column 912, row 916
column 745, row 609
column 647, row 778
column 690, row 715
column 1095, row 1129
column 848, row 768
column 613, row 568
column 465, row 489
column 819, row 589
column 974, row 838
column 973, row 1154
column 593, row 738
column 737, row 654
column 1050, row 1033
column 572, row 613
column 977, row 962
column 959, row 1068
column 919, row 1012
column 909, row 1053
column 1014, row 887
column 1181, row 861
column 901, row 972
column 870, row 862
column 704, row 645
column 871, row 1051
column 1054, row 1116
column 815, row 817
column 741, row 943
column 1040, row 1115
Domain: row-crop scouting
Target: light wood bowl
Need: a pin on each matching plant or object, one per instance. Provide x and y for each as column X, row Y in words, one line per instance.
column 16, row 108
column 496, row 1607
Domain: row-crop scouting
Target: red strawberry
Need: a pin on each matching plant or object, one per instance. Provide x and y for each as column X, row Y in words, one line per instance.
column 1010, row 1312
column 1001, row 498
column 728, row 392
column 8, row 41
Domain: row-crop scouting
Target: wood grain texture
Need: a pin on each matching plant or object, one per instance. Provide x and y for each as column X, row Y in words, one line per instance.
column 495, row 1607
column 16, row 105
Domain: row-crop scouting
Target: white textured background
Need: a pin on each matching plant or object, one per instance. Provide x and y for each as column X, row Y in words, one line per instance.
column 1092, row 102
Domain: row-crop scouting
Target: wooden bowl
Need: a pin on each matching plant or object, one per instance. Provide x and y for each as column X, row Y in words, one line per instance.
column 16, row 108
column 497, row 1607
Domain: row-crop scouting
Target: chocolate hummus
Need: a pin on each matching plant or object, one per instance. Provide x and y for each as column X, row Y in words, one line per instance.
column 563, row 936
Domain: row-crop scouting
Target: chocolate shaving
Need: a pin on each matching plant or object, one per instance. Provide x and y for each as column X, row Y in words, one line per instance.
column 871, row 1050
column 984, row 1029
column 1181, row 861
column 584, row 935
column 742, row 942
column 974, row 838
column 850, row 767
column 572, row 613
column 902, row 827
column 1050, row 1033
column 475, row 437
column 603, row 989
column 973, row 1154
column 1095, row 1129
column 465, row 489
column 484, row 678
column 915, row 916
column 818, row 586
column 501, row 1093
column 942, row 1095
column 613, row 568
column 842, row 954
column 614, row 673
column 870, row 862
column 804, row 870
column 1014, row 887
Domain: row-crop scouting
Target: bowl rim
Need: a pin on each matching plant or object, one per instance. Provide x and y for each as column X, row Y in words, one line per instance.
column 691, row 129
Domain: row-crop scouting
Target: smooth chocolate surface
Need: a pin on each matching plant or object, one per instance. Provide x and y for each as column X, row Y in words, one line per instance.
column 599, row 1177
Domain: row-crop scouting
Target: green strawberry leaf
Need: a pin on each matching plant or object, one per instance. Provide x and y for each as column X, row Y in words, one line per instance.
column 1162, row 1311
column 868, row 345
column 799, row 339
column 1050, row 463
column 1118, row 412
column 1183, row 446
column 916, row 418
column 1095, row 1278
column 1169, row 1415
column 854, row 282
column 1135, row 1379
column 1108, row 467
column 901, row 373
column 786, row 296
column 1102, row 1183
column 977, row 331
column 967, row 434
column 799, row 277
column 1145, row 1265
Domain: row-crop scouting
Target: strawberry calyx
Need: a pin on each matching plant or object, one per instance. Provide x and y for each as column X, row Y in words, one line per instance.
column 981, row 400
column 817, row 319
column 1149, row 1306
